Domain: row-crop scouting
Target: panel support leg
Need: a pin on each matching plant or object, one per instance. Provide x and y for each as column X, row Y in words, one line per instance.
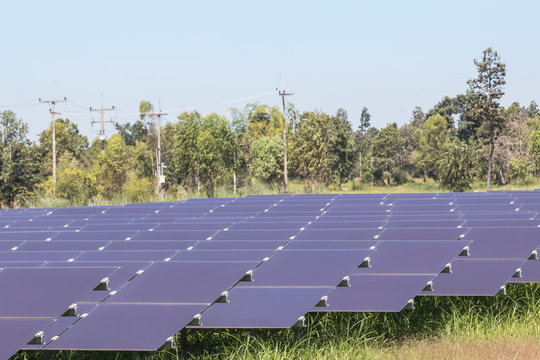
column 183, row 344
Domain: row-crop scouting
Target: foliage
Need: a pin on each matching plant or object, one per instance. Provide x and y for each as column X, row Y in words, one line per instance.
column 19, row 165
column 324, row 148
column 456, row 166
column 386, row 146
column 138, row 189
column 488, row 88
column 68, row 140
column 215, row 149
column 431, row 140
column 266, row 158
column 112, row 166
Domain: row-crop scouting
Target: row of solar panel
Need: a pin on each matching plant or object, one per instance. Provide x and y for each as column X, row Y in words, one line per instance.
column 251, row 292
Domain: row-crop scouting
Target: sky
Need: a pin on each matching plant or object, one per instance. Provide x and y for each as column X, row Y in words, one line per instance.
column 389, row 56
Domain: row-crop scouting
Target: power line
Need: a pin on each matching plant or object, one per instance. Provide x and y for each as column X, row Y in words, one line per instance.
column 53, row 102
column 101, row 111
column 283, row 93
column 159, row 163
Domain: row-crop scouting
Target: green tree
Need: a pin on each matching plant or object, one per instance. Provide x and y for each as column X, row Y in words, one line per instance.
column 183, row 166
column 266, row 158
column 432, row 140
column 68, row 140
column 215, row 149
column 488, row 87
column 386, row 147
column 457, row 165
column 324, row 149
column 112, row 166
column 19, row 164
column 141, row 130
column 74, row 184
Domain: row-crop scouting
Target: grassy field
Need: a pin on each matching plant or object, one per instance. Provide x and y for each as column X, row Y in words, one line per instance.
column 295, row 187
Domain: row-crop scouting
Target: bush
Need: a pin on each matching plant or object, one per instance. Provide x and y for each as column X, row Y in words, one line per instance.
column 266, row 158
column 139, row 189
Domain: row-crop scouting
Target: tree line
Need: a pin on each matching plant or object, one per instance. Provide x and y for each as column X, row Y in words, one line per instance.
column 464, row 138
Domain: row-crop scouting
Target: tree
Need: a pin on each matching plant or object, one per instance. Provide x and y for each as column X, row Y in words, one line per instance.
column 142, row 129
column 456, row 166
column 488, row 89
column 365, row 120
column 112, row 166
column 432, row 140
column 324, row 148
column 183, row 165
column 74, row 184
column 266, row 158
column 215, row 149
column 533, row 111
column 386, row 147
column 19, row 164
column 361, row 139
column 68, row 140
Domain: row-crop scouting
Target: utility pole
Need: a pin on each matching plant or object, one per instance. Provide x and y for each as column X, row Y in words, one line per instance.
column 53, row 102
column 283, row 93
column 160, row 166
column 102, row 110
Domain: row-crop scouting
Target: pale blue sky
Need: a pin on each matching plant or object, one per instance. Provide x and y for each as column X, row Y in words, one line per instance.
column 387, row 55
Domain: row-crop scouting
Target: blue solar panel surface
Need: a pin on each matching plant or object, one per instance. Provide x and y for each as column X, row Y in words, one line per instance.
column 275, row 255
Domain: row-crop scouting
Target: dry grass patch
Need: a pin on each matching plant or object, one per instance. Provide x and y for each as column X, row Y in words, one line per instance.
column 523, row 348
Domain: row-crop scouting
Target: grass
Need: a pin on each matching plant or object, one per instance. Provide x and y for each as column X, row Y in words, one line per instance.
column 502, row 327
column 295, row 187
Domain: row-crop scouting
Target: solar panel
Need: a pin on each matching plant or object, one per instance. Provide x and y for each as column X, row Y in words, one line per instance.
column 60, row 324
column 422, row 234
column 194, row 282
column 330, row 244
column 125, row 271
column 120, row 255
column 283, row 235
column 118, row 327
column 412, row 257
column 173, row 235
column 502, row 223
column 338, row 234
column 15, row 333
column 205, row 226
column 23, row 264
column 150, row 245
column 25, row 235
column 308, row 267
column 474, row 278
column 325, row 225
column 275, row 255
column 256, row 307
column 375, row 293
column 39, row 255
column 239, row 245
column 423, row 223
column 7, row 245
column 267, row 226
column 62, row 245
column 47, row 292
column 221, row 255
column 91, row 235
column 530, row 271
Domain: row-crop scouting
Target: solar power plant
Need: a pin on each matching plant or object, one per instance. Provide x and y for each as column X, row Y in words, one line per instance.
column 128, row 278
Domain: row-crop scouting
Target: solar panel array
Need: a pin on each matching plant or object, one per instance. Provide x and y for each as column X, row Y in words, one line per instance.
column 130, row 277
